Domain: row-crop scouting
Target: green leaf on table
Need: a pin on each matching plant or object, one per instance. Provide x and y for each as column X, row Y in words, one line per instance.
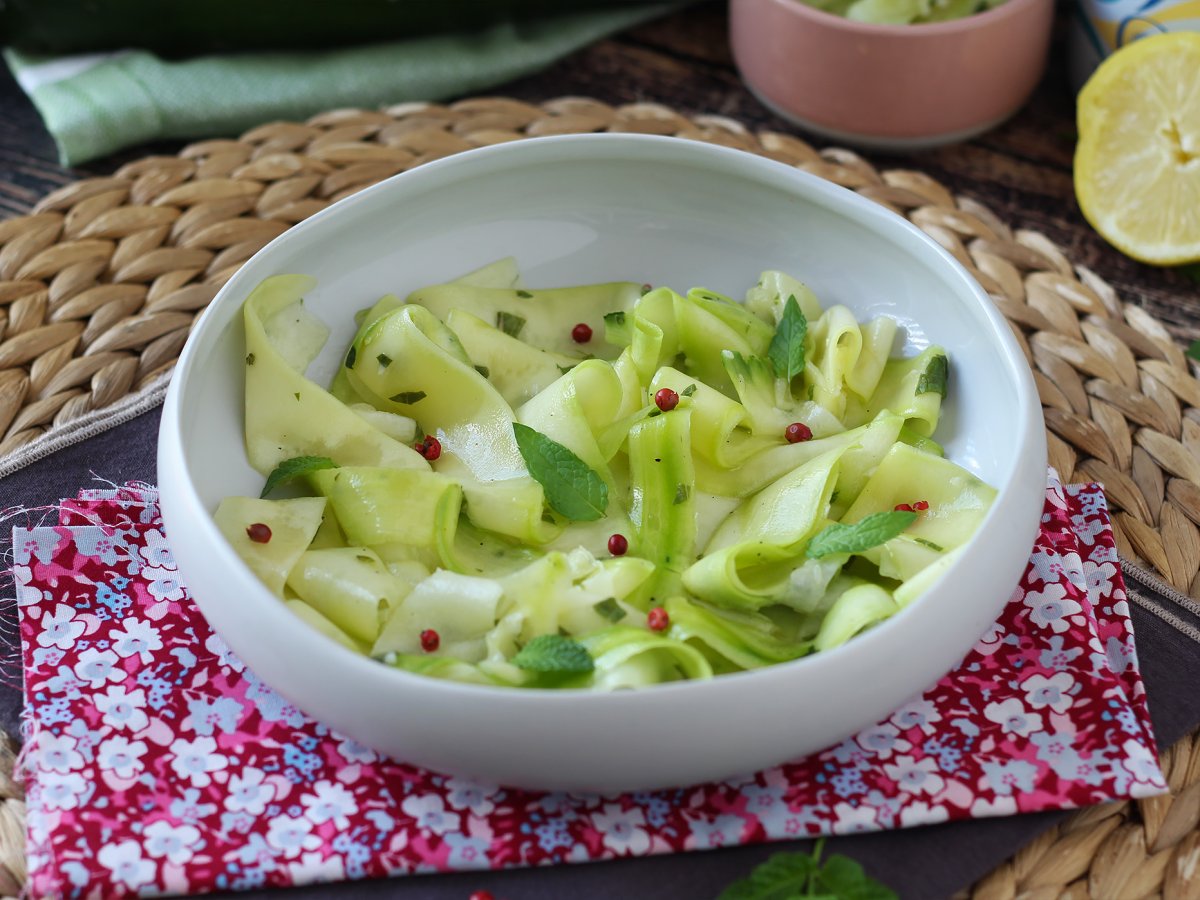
column 554, row 654
column 573, row 489
column 845, row 879
column 799, row 876
column 933, row 379
column 786, row 351
column 782, row 877
column 291, row 469
column 868, row 532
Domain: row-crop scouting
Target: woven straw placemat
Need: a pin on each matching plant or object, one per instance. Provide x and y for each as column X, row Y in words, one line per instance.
column 99, row 287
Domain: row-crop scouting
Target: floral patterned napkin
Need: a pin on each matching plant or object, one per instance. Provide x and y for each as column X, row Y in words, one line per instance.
column 156, row 762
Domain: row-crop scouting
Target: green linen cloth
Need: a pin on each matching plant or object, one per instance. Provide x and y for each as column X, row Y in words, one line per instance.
column 96, row 104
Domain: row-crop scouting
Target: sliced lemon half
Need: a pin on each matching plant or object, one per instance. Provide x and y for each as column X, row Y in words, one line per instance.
column 1137, row 165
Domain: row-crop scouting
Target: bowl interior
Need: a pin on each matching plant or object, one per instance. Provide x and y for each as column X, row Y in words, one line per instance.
column 576, row 210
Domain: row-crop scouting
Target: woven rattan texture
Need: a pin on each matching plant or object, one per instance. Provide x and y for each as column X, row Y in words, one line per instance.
column 100, row 285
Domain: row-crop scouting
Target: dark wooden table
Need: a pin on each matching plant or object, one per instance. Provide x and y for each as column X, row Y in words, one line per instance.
column 1022, row 171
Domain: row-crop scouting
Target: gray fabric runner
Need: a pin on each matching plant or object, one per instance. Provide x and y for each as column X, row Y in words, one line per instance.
column 929, row 862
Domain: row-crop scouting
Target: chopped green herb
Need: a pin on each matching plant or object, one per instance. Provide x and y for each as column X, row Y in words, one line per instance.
column 351, row 355
column 871, row 531
column 937, row 548
column 573, row 489
column 483, row 370
column 787, row 346
column 1191, row 271
column 933, row 379
column 688, row 391
column 1192, row 352
column 510, row 323
column 296, row 395
column 610, row 609
column 384, row 360
column 682, row 492
column 249, row 359
column 361, row 558
column 556, row 654
column 293, row 468
column 408, row 397
column 565, row 369
column 653, row 413
column 615, row 318
column 524, row 294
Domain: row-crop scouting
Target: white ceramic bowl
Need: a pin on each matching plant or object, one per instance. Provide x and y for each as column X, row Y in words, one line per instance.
column 597, row 208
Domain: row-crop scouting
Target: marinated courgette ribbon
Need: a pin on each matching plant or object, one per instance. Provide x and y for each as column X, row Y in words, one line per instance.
column 717, row 509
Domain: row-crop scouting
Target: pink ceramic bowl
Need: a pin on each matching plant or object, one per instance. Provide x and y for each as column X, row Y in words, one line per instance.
column 891, row 87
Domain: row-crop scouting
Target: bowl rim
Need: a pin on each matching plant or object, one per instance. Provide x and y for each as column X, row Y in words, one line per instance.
column 696, row 154
column 914, row 31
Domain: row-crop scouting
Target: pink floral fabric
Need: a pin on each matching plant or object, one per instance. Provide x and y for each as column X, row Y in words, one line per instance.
column 156, row 762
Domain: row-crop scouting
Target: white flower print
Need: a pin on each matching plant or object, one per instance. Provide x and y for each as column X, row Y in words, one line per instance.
column 98, row 667
column 121, row 756
column 125, row 862
column 224, row 655
column 122, row 709
column 1141, row 764
column 918, row 812
column 882, row 740
column 1099, row 578
column 27, row 595
column 57, row 753
column 292, row 836
column 430, row 812
column 467, row 794
column 1050, row 608
column 248, row 792
column 1013, row 718
column 915, row 776
column 722, row 831
column 624, row 830
column 194, row 760
column 1002, row 805
column 61, row 791
column 315, row 867
column 916, row 713
column 851, row 819
column 60, row 628
column 137, row 639
column 155, row 550
column 178, row 843
column 164, row 584
column 354, row 752
column 1042, row 692
column 329, row 802
column 1045, row 566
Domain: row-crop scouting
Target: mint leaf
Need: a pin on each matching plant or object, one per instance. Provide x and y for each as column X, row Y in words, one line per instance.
column 572, row 488
column 293, row 468
column 1193, row 351
column 869, row 532
column 845, row 879
column 782, row 877
column 553, row 653
column 787, row 346
column 510, row 323
column 933, row 379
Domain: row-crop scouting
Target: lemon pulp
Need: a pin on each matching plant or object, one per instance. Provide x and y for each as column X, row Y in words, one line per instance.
column 1137, row 165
